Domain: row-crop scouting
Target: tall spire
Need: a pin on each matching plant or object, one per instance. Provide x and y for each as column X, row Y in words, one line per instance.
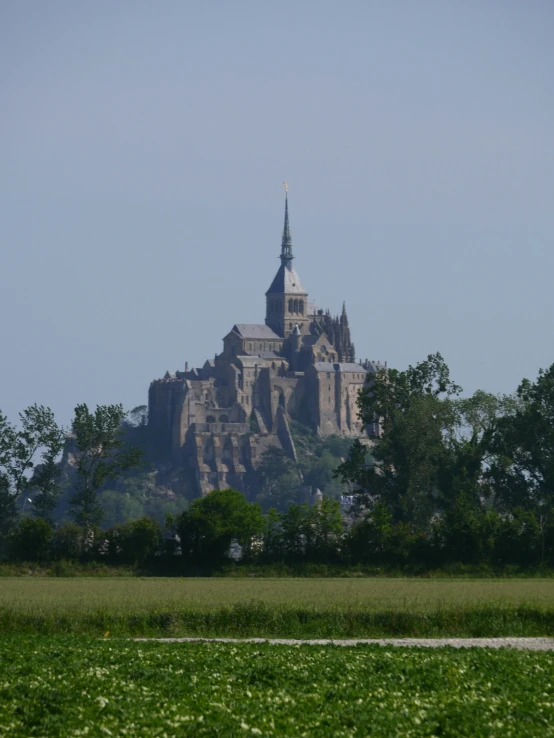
column 286, row 243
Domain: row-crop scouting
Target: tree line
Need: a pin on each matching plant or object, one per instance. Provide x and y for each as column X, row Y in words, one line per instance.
column 99, row 453
column 445, row 480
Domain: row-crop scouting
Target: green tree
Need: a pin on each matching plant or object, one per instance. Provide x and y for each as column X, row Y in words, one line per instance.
column 415, row 411
column 376, row 539
column 273, row 537
column 431, row 446
column 277, row 479
column 213, row 522
column 135, row 541
column 523, row 470
column 325, row 532
column 138, row 416
column 519, row 538
column 30, row 540
column 102, row 455
column 37, row 434
column 467, row 530
column 295, row 532
column 69, row 542
column 471, row 447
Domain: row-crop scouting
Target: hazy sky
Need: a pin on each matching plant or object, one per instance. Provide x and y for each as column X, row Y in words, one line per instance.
column 142, row 149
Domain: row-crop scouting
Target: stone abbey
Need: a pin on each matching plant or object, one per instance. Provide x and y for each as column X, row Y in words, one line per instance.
column 299, row 364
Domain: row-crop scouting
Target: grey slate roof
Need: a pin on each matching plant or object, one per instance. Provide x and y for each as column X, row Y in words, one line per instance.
column 286, row 281
column 255, row 330
column 311, row 340
column 327, row 366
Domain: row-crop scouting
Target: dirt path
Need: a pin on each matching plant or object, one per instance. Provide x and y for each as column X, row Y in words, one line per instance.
column 531, row 644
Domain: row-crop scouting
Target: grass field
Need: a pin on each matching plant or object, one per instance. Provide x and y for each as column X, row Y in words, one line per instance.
column 278, row 607
column 138, row 594
column 97, row 688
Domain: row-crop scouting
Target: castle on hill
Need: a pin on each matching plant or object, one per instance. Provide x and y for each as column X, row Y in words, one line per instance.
column 299, row 364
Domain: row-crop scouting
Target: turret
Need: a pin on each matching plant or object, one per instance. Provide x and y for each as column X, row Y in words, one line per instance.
column 295, row 345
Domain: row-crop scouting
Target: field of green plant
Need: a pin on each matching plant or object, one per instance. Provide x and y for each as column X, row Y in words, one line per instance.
column 98, row 688
column 277, row 607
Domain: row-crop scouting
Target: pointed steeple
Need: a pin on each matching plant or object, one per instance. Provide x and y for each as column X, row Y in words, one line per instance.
column 344, row 316
column 286, row 242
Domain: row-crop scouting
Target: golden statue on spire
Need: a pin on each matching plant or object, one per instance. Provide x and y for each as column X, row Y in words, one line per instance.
column 286, row 186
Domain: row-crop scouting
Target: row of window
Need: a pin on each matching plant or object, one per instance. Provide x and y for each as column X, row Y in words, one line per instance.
column 295, row 306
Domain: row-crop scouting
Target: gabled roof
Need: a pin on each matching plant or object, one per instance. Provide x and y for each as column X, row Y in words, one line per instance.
column 255, row 330
column 311, row 340
column 286, row 281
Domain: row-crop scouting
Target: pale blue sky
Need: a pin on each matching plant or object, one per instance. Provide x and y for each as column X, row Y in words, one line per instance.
column 142, row 149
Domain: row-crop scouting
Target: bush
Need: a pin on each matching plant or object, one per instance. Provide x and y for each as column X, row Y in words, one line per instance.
column 30, row 541
column 68, row 542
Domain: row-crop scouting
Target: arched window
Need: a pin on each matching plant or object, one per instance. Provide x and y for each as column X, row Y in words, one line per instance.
column 296, row 306
column 224, row 419
column 210, row 419
column 291, row 305
column 270, row 306
column 301, row 307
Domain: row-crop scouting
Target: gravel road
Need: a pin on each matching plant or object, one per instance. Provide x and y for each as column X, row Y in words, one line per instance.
column 531, row 644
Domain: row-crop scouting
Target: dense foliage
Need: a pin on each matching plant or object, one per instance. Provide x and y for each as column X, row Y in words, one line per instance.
column 451, row 478
column 445, row 480
column 57, row 686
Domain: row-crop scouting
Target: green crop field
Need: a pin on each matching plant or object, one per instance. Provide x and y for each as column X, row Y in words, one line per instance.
column 98, row 688
column 277, row 607
column 137, row 594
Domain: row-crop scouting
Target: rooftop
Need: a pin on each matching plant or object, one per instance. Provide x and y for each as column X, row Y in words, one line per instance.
column 255, row 330
column 286, row 281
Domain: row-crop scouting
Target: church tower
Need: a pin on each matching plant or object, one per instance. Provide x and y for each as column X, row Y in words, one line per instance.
column 286, row 299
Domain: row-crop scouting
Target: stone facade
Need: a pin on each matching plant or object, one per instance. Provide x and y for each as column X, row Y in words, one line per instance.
column 300, row 364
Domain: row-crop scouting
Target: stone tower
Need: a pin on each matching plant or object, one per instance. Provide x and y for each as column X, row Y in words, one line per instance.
column 286, row 299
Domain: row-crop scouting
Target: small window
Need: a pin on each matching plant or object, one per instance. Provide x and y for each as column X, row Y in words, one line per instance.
column 328, row 375
column 301, row 307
